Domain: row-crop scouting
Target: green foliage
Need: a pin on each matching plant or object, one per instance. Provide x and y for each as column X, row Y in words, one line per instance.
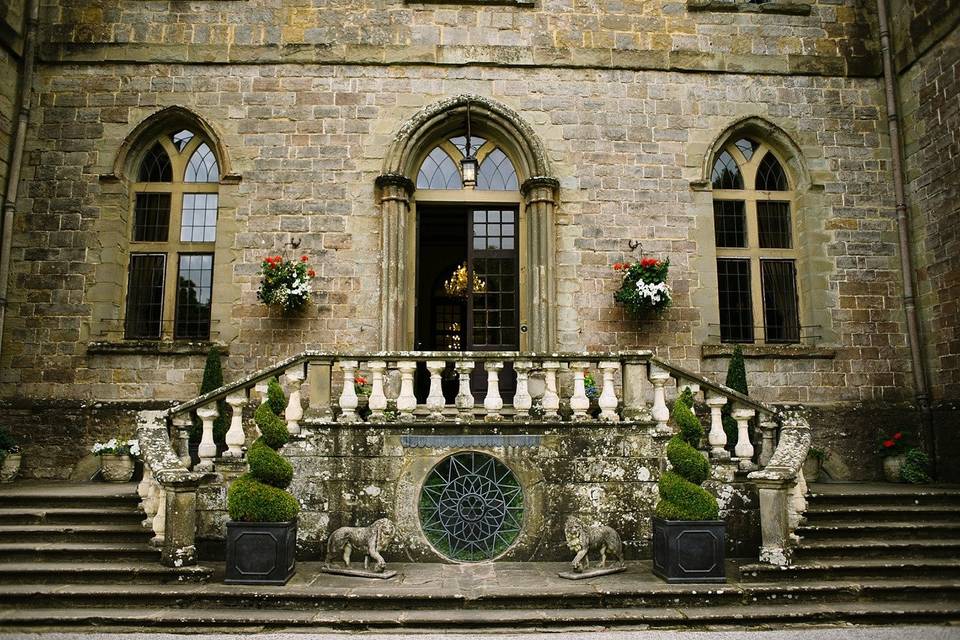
column 7, row 441
column 736, row 380
column 916, row 467
column 817, row 454
column 681, row 496
column 285, row 283
column 275, row 397
column 651, row 274
column 212, row 379
column 258, row 496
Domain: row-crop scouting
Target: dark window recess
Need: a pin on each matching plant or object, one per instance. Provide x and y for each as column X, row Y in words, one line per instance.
column 773, row 224
column 736, row 308
column 770, row 175
column 730, row 223
column 152, row 218
column 726, row 173
column 781, row 318
column 155, row 166
column 194, row 288
column 144, row 297
column 494, row 261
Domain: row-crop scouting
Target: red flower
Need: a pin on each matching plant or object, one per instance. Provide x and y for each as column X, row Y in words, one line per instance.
column 649, row 262
column 311, row 272
column 304, row 258
column 897, row 435
column 888, row 443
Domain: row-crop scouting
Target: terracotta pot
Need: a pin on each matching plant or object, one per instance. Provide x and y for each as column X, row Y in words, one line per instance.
column 116, row 467
column 10, row 468
column 891, row 467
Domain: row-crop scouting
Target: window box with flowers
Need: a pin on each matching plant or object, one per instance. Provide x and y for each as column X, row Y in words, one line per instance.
column 285, row 283
column 644, row 288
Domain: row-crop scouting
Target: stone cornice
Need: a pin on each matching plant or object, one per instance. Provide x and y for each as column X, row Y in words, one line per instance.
column 539, row 181
column 395, row 180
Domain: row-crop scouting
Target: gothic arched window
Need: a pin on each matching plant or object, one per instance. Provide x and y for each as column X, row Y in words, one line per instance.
column 175, row 200
column 441, row 168
column 753, row 214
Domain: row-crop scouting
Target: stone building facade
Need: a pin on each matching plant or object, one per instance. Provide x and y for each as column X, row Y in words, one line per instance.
column 619, row 109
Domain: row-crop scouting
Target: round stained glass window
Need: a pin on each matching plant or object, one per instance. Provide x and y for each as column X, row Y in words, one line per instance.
column 471, row 507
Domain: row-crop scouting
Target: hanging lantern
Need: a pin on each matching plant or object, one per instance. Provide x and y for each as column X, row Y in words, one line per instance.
column 468, row 165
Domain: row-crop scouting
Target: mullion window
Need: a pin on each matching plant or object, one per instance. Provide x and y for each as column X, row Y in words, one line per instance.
column 145, row 289
column 194, row 290
column 736, row 304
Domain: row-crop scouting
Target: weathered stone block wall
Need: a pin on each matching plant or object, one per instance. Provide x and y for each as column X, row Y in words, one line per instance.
column 351, row 475
column 11, row 49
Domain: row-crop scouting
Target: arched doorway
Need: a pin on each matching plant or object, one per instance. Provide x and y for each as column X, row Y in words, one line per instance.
column 438, row 228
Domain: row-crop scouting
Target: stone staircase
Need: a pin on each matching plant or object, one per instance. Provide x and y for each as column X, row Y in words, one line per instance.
column 79, row 533
column 874, row 532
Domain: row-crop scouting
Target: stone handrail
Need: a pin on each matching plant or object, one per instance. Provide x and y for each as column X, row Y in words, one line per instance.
column 782, row 489
column 168, row 491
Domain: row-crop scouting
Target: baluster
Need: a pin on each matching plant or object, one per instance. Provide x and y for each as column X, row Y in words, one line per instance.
column 236, row 438
column 744, row 448
column 261, row 391
column 634, row 373
column 182, row 424
column 768, row 427
column 406, row 401
column 465, row 399
column 435, row 399
column 294, row 412
column 579, row 402
column 659, row 412
column 378, row 398
column 208, row 448
column 160, row 518
column 148, row 501
column 551, row 399
column 717, row 437
column 348, row 395
column 522, row 400
column 608, row 396
column 318, row 385
column 492, row 402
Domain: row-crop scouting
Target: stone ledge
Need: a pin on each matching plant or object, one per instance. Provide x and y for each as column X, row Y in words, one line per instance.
column 788, row 7
column 155, row 347
column 788, row 351
column 459, row 3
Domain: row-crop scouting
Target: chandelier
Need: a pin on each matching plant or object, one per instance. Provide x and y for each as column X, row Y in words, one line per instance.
column 456, row 284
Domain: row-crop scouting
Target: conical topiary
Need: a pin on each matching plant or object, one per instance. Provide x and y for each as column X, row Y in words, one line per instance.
column 681, row 496
column 259, row 496
column 736, row 380
column 275, row 397
column 212, row 379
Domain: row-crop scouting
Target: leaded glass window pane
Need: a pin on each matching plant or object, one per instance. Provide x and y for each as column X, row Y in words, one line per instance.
column 781, row 315
column 730, row 223
column 496, row 173
column 155, row 166
column 770, row 175
column 460, row 142
column 151, row 217
column 773, row 224
column 438, row 171
column 746, row 147
column 202, row 166
column 181, row 139
column 736, row 306
column 144, row 316
column 199, row 220
column 726, row 173
column 194, row 288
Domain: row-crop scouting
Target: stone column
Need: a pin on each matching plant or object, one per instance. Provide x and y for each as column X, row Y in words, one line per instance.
column 540, row 197
column 395, row 191
column 773, row 519
column 318, row 386
column 179, row 538
column 634, row 374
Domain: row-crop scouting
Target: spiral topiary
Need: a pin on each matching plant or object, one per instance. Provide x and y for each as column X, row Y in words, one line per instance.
column 681, row 496
column 259, row 496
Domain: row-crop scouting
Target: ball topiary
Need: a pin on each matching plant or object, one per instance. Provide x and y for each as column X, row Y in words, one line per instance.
column 681, row 496
column 259, row 496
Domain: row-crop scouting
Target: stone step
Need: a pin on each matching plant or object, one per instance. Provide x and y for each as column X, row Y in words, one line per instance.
column 889, row 495
column 882, row 513
column 20, row 552
column 43, row 533
column 873, row 548
column 833, row 529
column 658, row 617
column 843, row 569
column 68, row 515
column 98, row 572
column 43, row 495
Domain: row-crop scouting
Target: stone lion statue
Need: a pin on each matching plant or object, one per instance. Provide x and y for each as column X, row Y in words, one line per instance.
column 585, row 540
column 371, row 539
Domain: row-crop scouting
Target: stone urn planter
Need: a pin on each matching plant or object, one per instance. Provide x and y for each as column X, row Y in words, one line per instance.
column 261, row 552
column 689, row 550
column 116, row 467
column 10, row 467
column 891, row 467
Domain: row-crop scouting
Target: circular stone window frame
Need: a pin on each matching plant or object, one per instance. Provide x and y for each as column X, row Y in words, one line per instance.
column 525, row 494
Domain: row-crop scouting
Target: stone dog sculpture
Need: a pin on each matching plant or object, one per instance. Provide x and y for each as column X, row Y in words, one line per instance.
column 585, row 540
column 371, row 539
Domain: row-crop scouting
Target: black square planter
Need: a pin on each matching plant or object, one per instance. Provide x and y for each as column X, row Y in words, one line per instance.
column 261, row 552
column 689, row 550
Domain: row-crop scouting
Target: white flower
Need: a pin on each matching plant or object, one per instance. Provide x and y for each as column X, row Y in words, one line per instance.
column 134, row 447
column 654, row 292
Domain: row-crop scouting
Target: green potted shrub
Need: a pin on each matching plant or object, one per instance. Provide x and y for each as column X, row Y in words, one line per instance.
column 688, row 536
column 9, row 457
column 262, row 536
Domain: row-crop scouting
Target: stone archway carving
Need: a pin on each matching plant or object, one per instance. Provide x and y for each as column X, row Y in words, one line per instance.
column 395, row 194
